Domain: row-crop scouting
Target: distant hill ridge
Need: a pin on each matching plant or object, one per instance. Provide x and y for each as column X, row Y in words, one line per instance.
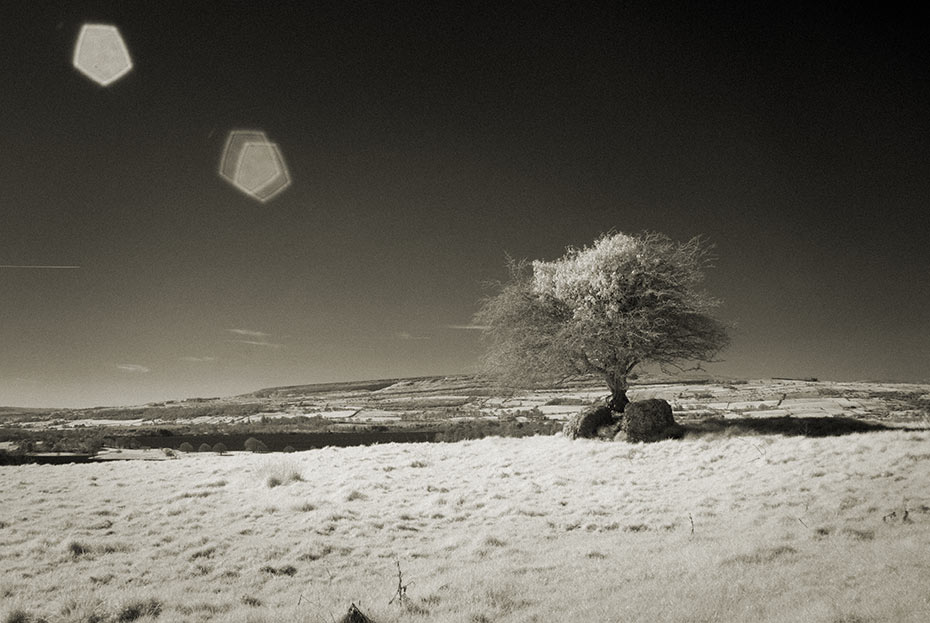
column 458, row 383
column 467, row 386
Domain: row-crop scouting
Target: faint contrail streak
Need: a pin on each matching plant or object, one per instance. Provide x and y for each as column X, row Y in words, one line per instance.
column 37, row 266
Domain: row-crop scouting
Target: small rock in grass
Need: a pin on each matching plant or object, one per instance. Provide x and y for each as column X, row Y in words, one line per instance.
column 354, row 615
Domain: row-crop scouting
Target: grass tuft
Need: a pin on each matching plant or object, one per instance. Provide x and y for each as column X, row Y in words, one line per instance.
column 206, row 552
column 206, row 608
column 78, row 549
column 762, row 556
column 195, row 494
column 859, row 535
column 138, row 609
column 20, row 616
column 111, row 548
column 285, row 570
column 84, row 610
column 277, row 473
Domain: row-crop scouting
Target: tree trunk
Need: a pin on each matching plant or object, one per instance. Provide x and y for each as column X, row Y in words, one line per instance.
column 618, row 385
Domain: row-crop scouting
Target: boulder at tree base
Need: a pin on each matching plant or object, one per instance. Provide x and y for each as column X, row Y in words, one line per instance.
column 587, row 423
column 649, row 420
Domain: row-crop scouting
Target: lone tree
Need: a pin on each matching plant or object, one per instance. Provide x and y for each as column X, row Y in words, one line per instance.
column 624, row 301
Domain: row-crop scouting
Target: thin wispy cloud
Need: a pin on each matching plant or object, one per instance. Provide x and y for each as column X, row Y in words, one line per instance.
column 132, row 367
column 467, row 327
column 39, row 266
column 261, row 343
column 403, row 335
column 249, row 332
column 198, row 359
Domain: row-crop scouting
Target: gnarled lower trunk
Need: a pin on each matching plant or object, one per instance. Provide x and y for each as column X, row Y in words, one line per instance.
column 618, row 386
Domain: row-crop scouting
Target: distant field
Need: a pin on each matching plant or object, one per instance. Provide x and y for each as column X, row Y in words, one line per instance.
column 424, row 401
column 716, row 527
column 454, row 408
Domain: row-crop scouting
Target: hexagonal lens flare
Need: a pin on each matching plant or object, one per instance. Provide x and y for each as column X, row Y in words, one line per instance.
column 254, row 165
column 101, row 54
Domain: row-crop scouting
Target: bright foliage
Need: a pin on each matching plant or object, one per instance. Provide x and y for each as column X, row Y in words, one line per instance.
column 623, row 301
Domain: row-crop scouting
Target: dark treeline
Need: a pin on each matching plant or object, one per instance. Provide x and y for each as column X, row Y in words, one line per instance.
column 275, row 438
column 277, row 442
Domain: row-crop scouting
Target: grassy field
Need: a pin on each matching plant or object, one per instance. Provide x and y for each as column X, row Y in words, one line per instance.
column 716, row 527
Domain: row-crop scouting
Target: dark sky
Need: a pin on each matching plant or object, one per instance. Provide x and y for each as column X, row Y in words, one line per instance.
column 423, row 145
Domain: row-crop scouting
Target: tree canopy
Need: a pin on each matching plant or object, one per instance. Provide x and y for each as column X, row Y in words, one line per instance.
column 624, row 301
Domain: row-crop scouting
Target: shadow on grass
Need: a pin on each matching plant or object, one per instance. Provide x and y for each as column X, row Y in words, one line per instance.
column 806, row 426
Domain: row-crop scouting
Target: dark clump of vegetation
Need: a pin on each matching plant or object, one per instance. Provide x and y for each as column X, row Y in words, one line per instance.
column 219, row 448
column 78, row 549
column 296, row 434
column 285, row 570
column 206, row 552
column 21, row 616
column 254, row 445
column 77, row 441
column 807, row 426
column 138, row 609
column 479, row 429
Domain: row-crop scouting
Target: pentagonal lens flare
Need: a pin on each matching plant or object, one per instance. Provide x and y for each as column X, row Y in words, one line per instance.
column 101, row 54
column 254, row 165
column 258, row 166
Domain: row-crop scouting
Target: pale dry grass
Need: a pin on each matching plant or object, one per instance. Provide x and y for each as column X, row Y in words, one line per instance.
column 537, row 529
column 277, row 472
